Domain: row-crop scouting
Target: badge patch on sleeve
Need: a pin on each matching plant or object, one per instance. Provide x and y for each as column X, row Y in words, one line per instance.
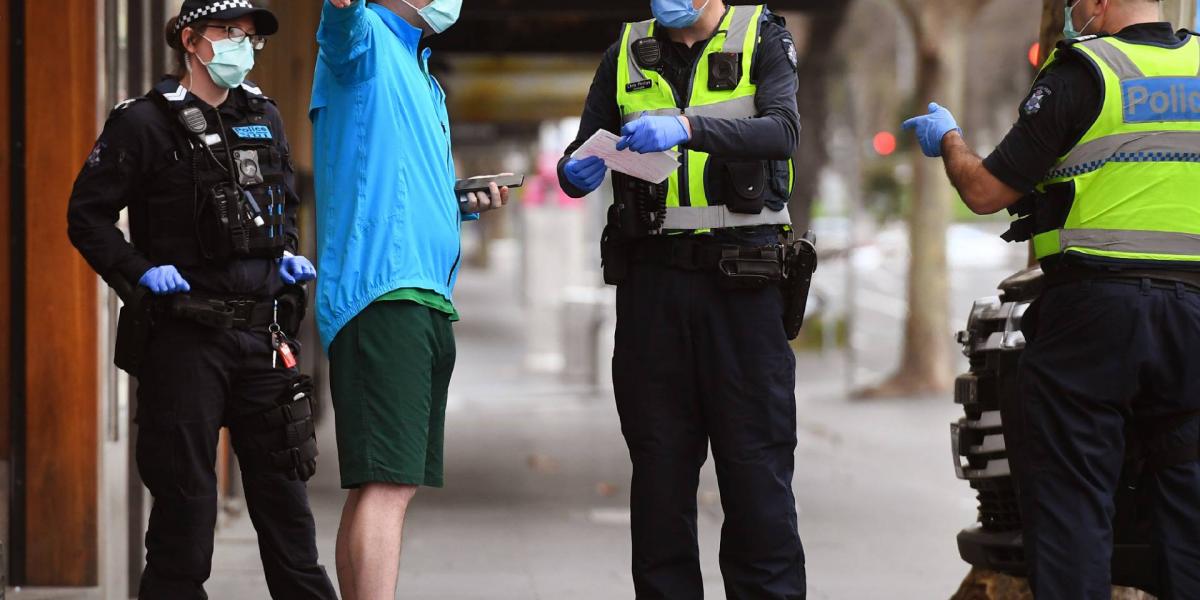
column 1033, row 104
column 789, row 48
column 253, row 132
column 93, row 159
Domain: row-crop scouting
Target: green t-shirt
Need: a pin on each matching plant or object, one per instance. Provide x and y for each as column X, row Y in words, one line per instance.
column 425, row 298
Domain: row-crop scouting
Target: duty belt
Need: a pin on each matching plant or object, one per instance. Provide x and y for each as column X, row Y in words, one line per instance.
column 1158, row 278
column 219, row 312
column 732, row 261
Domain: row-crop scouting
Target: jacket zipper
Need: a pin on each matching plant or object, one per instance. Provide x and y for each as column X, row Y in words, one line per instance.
column 685, row 188
column 454, row 267
column 434, row 87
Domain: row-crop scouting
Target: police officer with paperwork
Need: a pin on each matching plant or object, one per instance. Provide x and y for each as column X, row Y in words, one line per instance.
column 702, row 354
column 1102, row 169
column 212, row 301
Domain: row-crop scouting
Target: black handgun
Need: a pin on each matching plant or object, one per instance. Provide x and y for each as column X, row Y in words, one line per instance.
column 801, row 264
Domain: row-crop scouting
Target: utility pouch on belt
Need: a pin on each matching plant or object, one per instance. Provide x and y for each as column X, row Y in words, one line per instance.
column 799, row 266
column 133, row 328
column 751, row 269
column 285, row 436
column 205, row 311
column 293, row 304
column 745, row 187
column 614, row 249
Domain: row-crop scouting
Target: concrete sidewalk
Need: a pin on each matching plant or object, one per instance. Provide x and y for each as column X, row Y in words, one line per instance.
column 537, row 487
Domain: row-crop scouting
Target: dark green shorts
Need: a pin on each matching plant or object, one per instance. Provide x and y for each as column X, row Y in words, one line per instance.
column 389, row 373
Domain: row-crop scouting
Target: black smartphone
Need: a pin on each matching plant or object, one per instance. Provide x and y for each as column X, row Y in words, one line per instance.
column 483, row 184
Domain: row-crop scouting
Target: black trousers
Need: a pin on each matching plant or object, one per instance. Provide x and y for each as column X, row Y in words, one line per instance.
column 195, row 380
column 696, row 365
column 1104, row 358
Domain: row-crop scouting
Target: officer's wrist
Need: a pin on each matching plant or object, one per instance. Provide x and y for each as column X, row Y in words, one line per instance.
column 950, row 138
column 687, row 127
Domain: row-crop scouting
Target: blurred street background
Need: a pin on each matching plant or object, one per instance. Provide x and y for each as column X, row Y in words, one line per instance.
column 536, row 503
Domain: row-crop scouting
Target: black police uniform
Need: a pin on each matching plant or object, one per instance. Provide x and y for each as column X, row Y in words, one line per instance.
column 697, row 363
column 196, row 378
column 1110, row 361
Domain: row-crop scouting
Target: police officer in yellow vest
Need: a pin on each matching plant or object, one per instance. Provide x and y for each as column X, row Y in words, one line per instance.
column 701, row 353
column 1102, row 169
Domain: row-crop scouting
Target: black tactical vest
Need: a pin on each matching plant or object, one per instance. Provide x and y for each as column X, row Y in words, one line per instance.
column 235, row 170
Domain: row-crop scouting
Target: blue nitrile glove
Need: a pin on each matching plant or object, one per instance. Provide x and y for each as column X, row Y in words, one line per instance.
column 164, row 280
column 653, row 134
column 931, row 128
column 586, row 174
column 293, row 269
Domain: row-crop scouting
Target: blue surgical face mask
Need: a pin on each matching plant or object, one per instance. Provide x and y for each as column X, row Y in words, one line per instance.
column 676, row 14
column 231, row 62
column 1069, row 31
column 440, row 15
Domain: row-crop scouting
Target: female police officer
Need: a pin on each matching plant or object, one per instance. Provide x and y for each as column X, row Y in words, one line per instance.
column 202, row 163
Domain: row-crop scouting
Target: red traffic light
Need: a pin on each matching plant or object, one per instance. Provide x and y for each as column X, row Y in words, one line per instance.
column 884, row 143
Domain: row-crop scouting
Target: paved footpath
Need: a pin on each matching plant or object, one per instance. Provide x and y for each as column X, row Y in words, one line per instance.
column 537, row 488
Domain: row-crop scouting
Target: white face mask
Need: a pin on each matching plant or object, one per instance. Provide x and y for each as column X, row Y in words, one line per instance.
column 231, row 62
column 1069, row 31
column 440, row 15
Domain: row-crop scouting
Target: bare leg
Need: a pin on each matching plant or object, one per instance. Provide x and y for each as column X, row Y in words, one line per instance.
column 369, row 540
column 344, row 560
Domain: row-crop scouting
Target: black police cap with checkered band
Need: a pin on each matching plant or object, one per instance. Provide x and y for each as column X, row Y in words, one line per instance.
column 265, row 22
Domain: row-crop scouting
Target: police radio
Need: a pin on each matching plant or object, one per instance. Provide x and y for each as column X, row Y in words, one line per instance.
column 647, row 52
column 193, row 120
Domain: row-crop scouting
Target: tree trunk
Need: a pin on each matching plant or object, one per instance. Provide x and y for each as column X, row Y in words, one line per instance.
column 817, row 64
column 925, row 365
column 1181, row 13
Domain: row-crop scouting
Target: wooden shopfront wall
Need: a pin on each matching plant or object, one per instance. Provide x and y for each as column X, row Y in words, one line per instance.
column 50, row 299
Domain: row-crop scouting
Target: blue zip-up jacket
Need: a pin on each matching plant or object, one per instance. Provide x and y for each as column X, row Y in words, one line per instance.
column 387, row 215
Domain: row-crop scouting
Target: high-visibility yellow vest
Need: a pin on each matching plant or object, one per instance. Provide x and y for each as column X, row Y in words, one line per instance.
column 646, row 92
column 1136, row 172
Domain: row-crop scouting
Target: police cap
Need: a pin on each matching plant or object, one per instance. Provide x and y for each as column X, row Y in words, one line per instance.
column 265, row 22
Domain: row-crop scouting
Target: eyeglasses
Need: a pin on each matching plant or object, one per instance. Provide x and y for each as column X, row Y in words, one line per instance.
column 238, row 35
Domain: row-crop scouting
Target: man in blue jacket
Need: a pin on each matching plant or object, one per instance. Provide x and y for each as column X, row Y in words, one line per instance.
column 388, row 225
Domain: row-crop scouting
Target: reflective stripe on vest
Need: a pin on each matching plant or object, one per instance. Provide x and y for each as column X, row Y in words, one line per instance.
column 738, row 108
column 1135, row 171
column 646, row 92
column 692, row 218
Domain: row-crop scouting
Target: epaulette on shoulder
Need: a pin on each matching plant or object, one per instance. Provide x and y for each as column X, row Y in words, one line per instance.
column 123, row 106
column 256, row 93
column 1067, row 43
column 777, row 19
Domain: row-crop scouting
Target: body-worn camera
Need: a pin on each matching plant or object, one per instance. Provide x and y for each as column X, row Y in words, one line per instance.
column 249, row 171
column 724, row 71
